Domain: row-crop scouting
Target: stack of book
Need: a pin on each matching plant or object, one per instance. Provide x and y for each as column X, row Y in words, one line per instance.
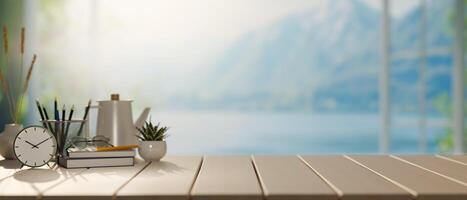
column 87, row 159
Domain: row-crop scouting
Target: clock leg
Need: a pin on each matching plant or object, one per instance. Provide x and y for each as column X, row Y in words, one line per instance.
column 54, row 165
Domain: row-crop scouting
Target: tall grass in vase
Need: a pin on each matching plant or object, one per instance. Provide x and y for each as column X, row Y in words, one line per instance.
column 14, row 92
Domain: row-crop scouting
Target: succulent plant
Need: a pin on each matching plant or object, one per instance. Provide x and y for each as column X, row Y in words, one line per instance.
column 150, row 132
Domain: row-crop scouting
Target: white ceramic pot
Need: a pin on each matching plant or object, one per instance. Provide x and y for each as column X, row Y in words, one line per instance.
column 152, row 150
column 7, row 138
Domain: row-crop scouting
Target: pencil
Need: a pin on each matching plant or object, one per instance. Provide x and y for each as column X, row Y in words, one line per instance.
column 86, row 111
column 68, row 123
column 47, row 118
column 63, row 112
column 62, row 132
column 41, row 113
column 45, row 113
column 117, row 148
column 56, row 115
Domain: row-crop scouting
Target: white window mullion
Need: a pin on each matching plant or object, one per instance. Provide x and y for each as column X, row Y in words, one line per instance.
column 384, row 98
column 422, row 143
column 458, row 79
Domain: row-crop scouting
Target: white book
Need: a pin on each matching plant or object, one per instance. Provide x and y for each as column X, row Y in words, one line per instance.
column 95, row 162
column 101, row 154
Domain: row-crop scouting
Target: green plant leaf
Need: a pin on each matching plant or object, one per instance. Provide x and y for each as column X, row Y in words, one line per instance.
column 151, row 132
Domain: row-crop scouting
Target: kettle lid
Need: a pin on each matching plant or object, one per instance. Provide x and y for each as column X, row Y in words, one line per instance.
column 115, row 97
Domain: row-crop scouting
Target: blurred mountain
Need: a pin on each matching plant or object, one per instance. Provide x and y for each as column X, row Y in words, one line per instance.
column 325, row 59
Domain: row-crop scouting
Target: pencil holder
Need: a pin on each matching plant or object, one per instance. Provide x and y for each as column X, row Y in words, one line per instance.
column 63, row 130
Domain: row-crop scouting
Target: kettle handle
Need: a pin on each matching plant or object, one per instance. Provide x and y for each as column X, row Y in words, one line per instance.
column 143, row 117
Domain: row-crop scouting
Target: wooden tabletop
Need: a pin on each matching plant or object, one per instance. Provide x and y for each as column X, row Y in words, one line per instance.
column 346, row 177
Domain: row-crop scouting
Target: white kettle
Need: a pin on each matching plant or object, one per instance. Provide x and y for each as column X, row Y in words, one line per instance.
column 115, row 121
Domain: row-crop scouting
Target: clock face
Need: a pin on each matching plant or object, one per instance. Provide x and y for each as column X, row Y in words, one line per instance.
column 35, row 146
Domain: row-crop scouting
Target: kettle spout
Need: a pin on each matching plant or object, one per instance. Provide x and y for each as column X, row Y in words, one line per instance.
column 142, row 118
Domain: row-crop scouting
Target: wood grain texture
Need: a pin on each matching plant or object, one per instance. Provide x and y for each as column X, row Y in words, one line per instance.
column 30, row 183
column 235, row 177
column 287, row 177
column 10, row 188
column 227, row 178
column 426, row 185
column 460, row 158
column 94, row 183
column 8, row 168
column 170, row 179
column 447, row 168
column 354, row 181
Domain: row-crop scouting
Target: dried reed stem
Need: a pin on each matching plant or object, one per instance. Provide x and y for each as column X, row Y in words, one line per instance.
column 6, row 87
column 28, row 77
column 21, row 70
column 5, row 39
column 23, row 30
column 26, row 85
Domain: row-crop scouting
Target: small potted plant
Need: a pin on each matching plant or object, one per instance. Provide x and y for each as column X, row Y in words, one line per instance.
column 152, row 146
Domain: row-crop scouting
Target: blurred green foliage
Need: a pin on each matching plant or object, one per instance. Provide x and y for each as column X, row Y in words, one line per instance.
column 443, row 103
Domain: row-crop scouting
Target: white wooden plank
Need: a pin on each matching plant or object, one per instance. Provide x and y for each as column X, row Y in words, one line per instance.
column 424, row 184
column 227, row 178
column 63, row 175
column 234, row 177
column 287, row 177
column 10, row 188
column 94, row 183
column 170, row 179
column 460, row 158
column 344, row 173
column 30, row 183
column 8, row 168
column 452, row 170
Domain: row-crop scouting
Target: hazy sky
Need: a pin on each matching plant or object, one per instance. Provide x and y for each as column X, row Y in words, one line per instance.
column 180, row 34
column 205, row 25
column 139, row 39
column 398, row 8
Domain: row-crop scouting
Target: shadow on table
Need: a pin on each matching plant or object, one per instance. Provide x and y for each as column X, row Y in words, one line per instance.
column 36, row 175
column 10, row 164
column 167, row 167
column 154, row 169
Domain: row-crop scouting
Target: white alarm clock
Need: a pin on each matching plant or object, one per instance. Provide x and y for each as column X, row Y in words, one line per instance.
column 35, row 146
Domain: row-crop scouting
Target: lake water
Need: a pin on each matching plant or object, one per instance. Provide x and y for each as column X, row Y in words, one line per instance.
column 289, row 133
